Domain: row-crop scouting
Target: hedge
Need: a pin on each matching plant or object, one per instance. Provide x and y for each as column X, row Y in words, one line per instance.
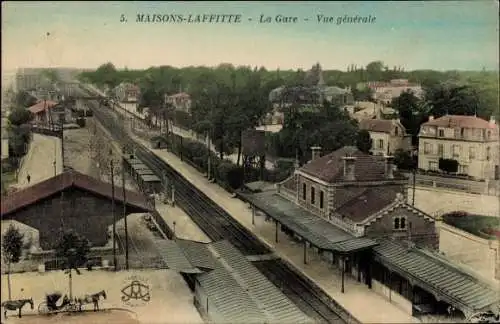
column 225, row 172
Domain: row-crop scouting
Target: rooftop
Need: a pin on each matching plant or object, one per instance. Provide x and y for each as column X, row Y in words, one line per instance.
column 379, row 125
column 70, row 179
column 236, row 288
column 457, row 121
column 42, row 105
column 330, row 168
column 316, row 230
column 438, row 275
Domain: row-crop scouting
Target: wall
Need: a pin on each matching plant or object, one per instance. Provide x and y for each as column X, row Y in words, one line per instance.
column 480, row 255
column 307, row 203
column 376, row 136
column 87, row 214
column 423, row 231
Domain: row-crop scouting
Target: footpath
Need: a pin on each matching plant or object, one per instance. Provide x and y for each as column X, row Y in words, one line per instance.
column 364, row 304
column 39, row 162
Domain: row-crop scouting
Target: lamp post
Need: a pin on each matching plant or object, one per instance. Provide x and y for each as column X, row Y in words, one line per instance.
column 55, row 170
column 174, row 223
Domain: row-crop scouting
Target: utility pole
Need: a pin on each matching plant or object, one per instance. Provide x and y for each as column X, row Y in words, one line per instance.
column 125, row 209
column 414, row 177
column 113, row 211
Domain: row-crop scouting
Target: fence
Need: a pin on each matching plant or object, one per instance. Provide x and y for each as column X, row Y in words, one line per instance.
column 461, row 185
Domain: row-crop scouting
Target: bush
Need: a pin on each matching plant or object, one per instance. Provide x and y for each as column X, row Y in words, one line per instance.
column 448, row 165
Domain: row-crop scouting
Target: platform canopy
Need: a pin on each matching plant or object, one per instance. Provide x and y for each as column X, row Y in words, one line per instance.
column 314, row 229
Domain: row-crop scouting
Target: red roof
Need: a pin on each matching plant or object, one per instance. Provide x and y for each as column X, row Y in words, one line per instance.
column 42, row 190
column 42, row 105
column 453, row 121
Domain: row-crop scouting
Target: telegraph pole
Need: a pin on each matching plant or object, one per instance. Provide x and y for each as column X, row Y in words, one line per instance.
column 113, row 212
column 125, row 209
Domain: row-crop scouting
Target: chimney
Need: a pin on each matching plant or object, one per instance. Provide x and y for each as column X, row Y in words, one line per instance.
column 389, row 167
column 492, row 120
column 431, row 118
column 316, row 152
column 349, row 168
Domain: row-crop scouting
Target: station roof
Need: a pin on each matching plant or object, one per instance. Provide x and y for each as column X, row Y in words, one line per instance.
column 144, row 172
column 140, row 167
column 437, row 275
column 70, row 179
column 133, row 161
column 314, row 229
column 239, row 291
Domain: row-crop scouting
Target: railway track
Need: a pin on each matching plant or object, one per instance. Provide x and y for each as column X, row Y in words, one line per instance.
column 218, row 224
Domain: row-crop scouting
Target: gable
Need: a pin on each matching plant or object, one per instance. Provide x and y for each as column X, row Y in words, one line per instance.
column 413, row 215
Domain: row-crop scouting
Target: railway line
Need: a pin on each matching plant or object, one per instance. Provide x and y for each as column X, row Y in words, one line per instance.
column 218, row 224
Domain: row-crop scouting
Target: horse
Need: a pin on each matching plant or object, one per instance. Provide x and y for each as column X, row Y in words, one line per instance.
column 13, row 305
column 88, row 299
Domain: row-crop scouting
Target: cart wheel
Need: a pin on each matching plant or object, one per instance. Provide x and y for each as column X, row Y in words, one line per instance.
column 43, row 308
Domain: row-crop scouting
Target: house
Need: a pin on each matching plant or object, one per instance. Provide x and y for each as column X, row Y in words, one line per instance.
column 127, row 93
column 227, row 287
column 387, row 135
column 180, row 101
column 358, row 192
column 385, row 92
column 471, row 141
column 51, row 112
column 70, row 200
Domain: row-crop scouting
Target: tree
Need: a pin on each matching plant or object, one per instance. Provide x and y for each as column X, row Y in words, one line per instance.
column 12, row 250
column 72, row 249
column 20, row 116
column 453, row 99
column 24, row 100
column 410, row 111
column 364, row 141
column 404, row 160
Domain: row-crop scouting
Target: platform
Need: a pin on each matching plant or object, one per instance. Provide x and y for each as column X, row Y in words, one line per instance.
column 363, row 303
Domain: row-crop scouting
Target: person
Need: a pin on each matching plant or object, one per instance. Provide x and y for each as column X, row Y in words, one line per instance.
column 28, row 178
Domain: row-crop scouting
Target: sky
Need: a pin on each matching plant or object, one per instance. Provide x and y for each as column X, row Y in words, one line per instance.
column 440, row 35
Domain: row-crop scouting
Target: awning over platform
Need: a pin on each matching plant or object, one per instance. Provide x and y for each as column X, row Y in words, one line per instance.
column 437, row 275
column 316, row 230
column 174, row 257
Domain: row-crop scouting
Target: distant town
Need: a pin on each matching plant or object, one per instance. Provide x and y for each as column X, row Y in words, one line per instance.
column 238, row 194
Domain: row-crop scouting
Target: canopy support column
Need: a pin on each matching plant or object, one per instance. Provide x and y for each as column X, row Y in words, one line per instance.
column 276, row 233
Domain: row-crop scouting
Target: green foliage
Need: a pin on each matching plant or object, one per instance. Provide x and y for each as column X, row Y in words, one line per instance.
column 72, row 249
column 12, row 243
column 403, row 160
column 19, row 138
column 20, row 116
column 448, row 165
column 364, row 141
column 24, row 100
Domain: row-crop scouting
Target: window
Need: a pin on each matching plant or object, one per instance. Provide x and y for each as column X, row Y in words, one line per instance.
column 380, row 144
column 488, row 154
column 488, row 134
column 462, row 132
column 440, row 150
column 396, row 131
column 427, row 148
column 400, row 223
column 304, row 191
column 321, row 199
column 441, row 133
column 313, row 195
column 472, row 152
column 456, row 150
column 433, row 165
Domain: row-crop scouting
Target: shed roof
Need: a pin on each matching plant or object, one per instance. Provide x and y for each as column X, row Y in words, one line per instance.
column 438, row 275
column 144, row 172
column 379, row 125
column 174, row 257
column 234, row 286
column 150, row 178
column 314, row 229
column 63, row 181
